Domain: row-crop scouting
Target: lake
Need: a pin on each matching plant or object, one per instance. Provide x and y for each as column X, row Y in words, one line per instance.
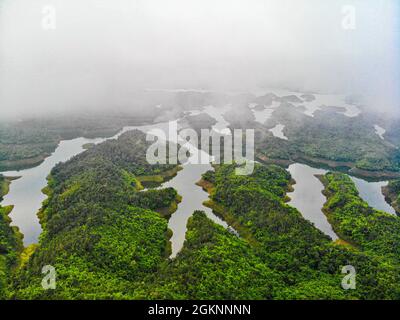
column 308, row 198
column 26, row 196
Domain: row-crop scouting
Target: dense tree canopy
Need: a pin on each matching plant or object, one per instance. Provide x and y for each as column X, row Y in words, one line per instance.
column 328, row 136
column 109, row 239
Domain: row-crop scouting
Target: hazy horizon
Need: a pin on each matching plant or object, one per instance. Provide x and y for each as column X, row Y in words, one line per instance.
column 100, row 54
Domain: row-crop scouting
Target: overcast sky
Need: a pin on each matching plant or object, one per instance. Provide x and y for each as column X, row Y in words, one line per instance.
column 101, row 51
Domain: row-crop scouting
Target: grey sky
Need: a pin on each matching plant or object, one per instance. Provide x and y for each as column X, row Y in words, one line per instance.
column 101, row 52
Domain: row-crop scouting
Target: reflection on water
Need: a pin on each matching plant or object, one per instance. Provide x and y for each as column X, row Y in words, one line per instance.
column 261, row 116
column 25, row 193
column 379, row 131
column 26, row 196
column 308, row 198
column 277, row 131
column 371, row 192
column 193, row 195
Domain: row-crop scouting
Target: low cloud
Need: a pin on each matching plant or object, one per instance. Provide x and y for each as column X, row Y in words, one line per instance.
column 100, row 53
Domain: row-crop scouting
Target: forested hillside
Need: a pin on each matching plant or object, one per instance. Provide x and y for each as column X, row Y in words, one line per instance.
column 107, row 239
column 95, row 236
column 330, row 138
column 372, row 231
column 26, row 143
column 392, row 193
column 289, row 243
column 10, row 242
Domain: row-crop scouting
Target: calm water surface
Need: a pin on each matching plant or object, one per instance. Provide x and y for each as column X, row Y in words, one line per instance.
column 371, row 192
column 26, row 196
column 308, row 198
column 25, row 193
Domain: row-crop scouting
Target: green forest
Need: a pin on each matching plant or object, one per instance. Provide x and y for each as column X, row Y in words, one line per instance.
column 392, row 193
column 329, row 138
column 26, row 143
column 109, row 239
column 10, row 243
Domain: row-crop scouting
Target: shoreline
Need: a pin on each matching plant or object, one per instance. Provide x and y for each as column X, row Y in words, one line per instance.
column 391, row 199
column 341, row 240
column 346, row 167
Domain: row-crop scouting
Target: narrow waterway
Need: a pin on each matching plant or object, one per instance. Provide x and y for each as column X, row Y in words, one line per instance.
column 277, row 131
column 184, row 183
column 26, row 196
column 193, row 197
column 380, row 131
column 25, row 193
column 309, row 200
column 307, row 196
column 371, row 192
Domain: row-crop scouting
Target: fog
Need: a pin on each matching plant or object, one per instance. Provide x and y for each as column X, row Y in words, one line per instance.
column 99, row 55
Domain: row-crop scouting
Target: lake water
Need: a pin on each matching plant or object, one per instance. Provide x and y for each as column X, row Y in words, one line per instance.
column 371, row 192
column 308, row 198
column 26, row 192
column 320, row 101
column 26, row 196
column 184, row 183
column 193, row 197
column 379, row 131
column 277, row 131
column 262, row 115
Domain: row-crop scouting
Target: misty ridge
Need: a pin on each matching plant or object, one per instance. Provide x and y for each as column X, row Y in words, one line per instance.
column 130, row 57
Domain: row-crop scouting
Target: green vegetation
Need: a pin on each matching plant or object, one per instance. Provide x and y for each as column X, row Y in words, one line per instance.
column 214, row 264
column 26, row 143
column 198, row 122
column 109, row 239
column 392, row 194
column 392, row 133
column 100, row 232
column 331, row 139
column 163, row 201
column 309, row 263
column 4, row 184
column 10, row 242
column 372, row 231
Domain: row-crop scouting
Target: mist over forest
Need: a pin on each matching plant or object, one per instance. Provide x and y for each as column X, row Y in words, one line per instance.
column 283, row 115
column 105, row 55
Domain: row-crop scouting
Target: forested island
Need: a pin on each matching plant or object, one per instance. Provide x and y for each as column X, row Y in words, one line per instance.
column 109, row 239
column 105, row 220
column 10, row 243
column 330, row 139
column 26, row 143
